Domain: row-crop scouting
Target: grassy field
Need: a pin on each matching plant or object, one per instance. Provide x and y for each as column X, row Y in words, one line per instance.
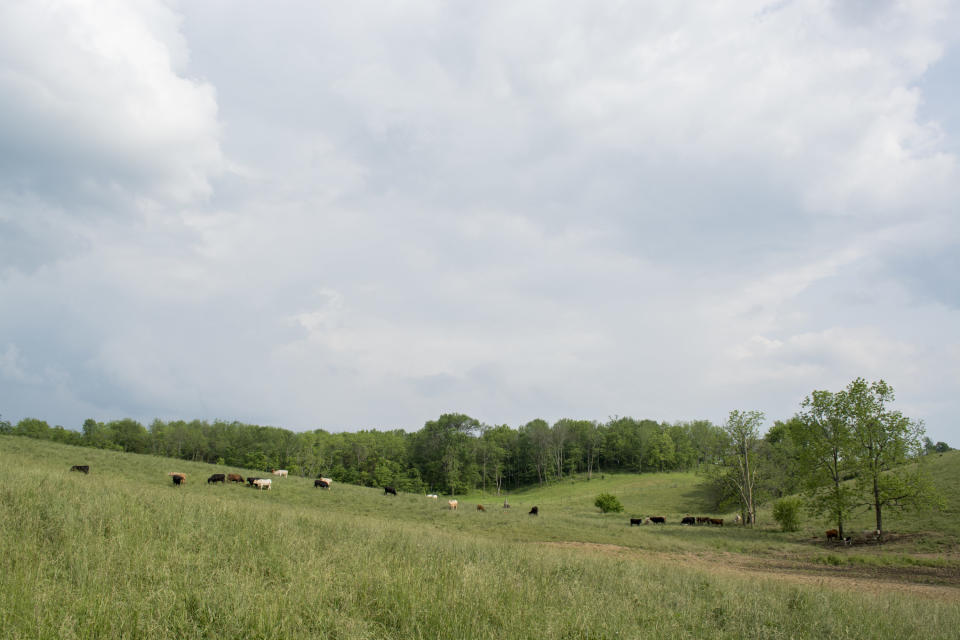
column 123, row 553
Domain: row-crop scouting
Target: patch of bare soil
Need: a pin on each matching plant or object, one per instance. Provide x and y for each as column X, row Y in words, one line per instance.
column 940, row 583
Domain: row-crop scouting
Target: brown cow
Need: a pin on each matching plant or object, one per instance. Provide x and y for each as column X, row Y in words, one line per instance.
column 235, row 477
column 716, row 522
column 833, row 534
column 480, row 507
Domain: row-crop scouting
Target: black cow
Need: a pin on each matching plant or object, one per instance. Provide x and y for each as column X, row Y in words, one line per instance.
column 250, row 480
column 658, row 520
column 688, row 520
column 534, row 512
column 321, row 483
column 81, row 467
column 217, row 477
column 177, row 480
column 636, row 521
column 389, row 490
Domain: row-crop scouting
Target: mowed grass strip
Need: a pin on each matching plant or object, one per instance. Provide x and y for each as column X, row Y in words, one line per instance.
column 122, row 553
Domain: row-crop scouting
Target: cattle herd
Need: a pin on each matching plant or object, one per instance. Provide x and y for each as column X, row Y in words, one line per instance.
column 179, row 479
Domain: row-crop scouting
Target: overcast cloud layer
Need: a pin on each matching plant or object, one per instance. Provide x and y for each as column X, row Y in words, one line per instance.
column 314, row 215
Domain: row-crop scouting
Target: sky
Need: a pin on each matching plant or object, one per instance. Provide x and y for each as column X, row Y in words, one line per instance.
column 365, row 215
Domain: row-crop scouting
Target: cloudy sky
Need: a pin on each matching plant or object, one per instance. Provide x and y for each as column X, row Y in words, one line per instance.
column 363, row 215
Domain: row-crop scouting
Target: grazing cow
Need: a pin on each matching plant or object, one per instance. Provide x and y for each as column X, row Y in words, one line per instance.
column 433, row 496
column 178, row 478
column 282, row 473
column 846, row 541
column 717, row 522
column 506, row 505
column 658, row 520
column 81, row 467
column 833, row 534
column 534, row 512
column 738, row 519
column 250, row 481
column 452, row 504
column 262, row 483
column 389, row 490
column 703, row 520
column 327, row 480
column 235, row 477
column 321, row 484
column 636, row 521
column 688, row 520
column 480, row 507
column 217, row 477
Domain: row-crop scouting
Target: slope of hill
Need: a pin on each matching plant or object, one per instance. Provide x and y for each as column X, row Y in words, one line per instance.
column 123, row 553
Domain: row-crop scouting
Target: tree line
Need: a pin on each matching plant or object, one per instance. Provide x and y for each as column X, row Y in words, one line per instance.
column 452, row 454
column 844, row 451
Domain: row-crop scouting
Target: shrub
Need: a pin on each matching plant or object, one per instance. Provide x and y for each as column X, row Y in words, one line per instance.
column 786, row 511
column 608, row 503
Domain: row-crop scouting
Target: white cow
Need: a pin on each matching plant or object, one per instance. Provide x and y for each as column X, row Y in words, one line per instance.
column 433, row 495
column 453, row 504
column 279, row 472
column 260, row 483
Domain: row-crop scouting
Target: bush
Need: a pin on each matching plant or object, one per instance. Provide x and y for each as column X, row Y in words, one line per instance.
column 786, row 511
column 608, row 503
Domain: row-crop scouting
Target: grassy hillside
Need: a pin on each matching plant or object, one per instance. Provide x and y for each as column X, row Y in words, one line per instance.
column 123, row 553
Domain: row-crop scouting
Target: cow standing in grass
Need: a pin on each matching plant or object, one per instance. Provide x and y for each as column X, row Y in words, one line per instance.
column 85, row 468
column 390, row 491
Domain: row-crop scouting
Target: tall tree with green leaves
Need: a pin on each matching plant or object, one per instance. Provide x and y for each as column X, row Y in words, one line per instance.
column 824, row 443
column 887, row 451
column 739, row 461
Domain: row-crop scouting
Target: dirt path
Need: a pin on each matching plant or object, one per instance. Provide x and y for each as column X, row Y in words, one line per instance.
column 939, row 583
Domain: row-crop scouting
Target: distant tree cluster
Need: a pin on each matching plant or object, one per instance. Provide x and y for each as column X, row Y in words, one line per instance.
column 451, row 454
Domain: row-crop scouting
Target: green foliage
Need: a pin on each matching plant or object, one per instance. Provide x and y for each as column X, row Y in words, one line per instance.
column 786, row 511
column 608, row 503
column 453, row 454
column 739, row 471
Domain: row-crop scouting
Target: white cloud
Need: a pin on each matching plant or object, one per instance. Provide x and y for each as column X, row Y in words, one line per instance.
column 508, row 210
column 95, row 105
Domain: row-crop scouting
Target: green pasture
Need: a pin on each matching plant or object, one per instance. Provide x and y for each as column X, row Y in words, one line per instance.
column 122, row 553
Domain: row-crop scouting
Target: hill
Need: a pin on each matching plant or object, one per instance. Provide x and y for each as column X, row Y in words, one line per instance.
column 123, row 553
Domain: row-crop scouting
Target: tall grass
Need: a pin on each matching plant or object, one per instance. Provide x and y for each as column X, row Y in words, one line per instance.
column 121, row 553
